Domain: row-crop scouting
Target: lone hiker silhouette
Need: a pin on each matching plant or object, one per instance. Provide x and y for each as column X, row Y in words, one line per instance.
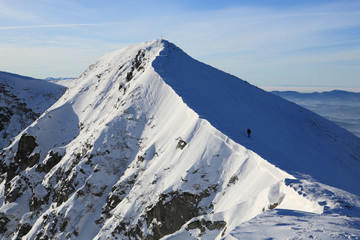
column 248, row 132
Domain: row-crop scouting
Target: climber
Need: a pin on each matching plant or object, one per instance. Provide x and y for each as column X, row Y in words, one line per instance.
column 248, row 132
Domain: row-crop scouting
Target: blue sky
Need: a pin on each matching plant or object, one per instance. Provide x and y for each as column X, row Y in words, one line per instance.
column 268, row 43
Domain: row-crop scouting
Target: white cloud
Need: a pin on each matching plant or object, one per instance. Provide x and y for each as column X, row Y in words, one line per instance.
column 59, row 25
column 10, row 10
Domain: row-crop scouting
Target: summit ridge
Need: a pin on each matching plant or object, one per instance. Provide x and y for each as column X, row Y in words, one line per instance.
column 149, row 143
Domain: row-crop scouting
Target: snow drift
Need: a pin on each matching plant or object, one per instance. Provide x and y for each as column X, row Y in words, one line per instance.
column 149, row 143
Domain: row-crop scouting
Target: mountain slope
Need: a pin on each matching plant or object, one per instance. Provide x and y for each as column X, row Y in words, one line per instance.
column 289, row 136
column 22, row 100
column 122, row 154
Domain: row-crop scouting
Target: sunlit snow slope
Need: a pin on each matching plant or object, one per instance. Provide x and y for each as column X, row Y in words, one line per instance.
column 149, row 143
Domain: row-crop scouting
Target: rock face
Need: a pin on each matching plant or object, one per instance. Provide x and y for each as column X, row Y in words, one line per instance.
column 121, row 156
column 26, row 146
column 175, row 209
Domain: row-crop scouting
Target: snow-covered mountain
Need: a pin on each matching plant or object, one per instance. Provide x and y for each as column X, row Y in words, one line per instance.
column 341, row 107
column 149, row 143
column 22, row 100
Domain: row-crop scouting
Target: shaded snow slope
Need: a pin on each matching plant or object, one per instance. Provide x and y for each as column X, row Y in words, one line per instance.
column 121, row 155
column 289, row 136
column 22, row 100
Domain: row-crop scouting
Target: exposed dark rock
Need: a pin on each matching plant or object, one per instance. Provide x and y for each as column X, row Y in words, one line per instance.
column 173, row 210
column 138, row 58
column 5, row 116
column 3, row 221
column 65, row 189
column 181, row 144
column 136, row 65
column 203, row 225
column 26, row 146
column 13, row 193
column 34, row 158
column 117, row 194
column 11, row 170
column 141, row 158
column 41, row 236
column 35, row 203
column 53, row 224
column 273, row 205
column 131, row 232
column 208, row 224
column 233, row 180
column 63, row 225
column 194, row 224
column 24, row 229
column 129, row 75
column 49, row 163
column 64, row 193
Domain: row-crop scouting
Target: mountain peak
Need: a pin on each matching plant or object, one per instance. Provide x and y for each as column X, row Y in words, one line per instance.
column 150, row 143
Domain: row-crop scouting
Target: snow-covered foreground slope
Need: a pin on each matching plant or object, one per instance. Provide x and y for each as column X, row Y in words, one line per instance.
column 123, row 155
column 22, row 100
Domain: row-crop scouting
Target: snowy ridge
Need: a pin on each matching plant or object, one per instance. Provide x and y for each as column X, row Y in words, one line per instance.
column 22, row 100
column 282, row 132
column 123, row 155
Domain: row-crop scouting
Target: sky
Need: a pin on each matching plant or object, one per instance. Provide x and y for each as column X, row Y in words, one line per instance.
column 269, row 43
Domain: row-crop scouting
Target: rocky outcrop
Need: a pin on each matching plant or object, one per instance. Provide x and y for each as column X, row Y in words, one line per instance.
column 50, row 162
column 22, row 159
column 206, row 225
column 173, row 210
column 3, row 221
column 26, row 146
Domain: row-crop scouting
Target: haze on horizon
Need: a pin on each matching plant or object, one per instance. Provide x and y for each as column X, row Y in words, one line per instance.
column 272, row 44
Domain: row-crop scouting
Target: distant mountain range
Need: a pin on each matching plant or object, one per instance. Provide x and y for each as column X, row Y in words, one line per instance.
column 149, row 143
column 341, row 107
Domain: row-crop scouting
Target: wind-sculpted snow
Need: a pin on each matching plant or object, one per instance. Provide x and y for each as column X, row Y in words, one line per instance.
column 130, row 159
